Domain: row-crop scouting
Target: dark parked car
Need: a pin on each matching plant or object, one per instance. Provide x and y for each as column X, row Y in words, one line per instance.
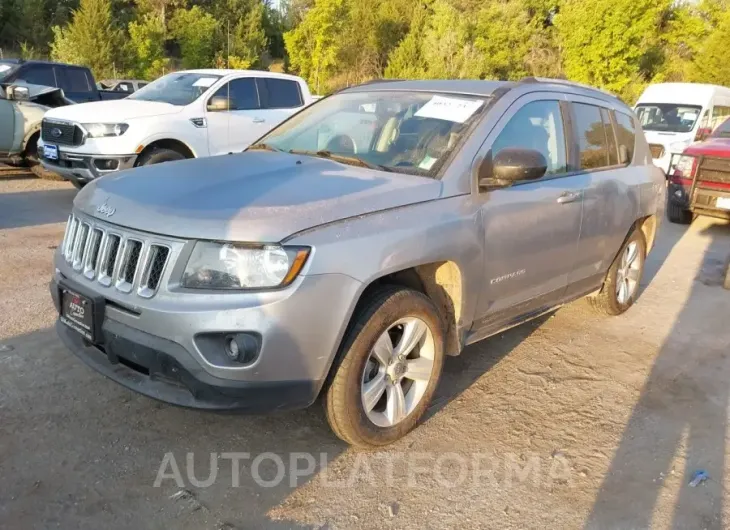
column 129, row 86
column 77, row 82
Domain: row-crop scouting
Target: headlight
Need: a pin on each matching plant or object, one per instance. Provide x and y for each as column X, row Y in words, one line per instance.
column 684, row 166
column 102, row 130
column 678, row 147
column 242, row 266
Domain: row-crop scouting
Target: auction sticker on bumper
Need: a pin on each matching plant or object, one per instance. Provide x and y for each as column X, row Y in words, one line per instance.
column 77, row 313
column 50, row 152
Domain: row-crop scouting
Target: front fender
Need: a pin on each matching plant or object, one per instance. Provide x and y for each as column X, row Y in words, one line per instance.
column 373, row 246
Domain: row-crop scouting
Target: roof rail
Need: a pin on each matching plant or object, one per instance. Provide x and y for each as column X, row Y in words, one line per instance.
column 567, row 83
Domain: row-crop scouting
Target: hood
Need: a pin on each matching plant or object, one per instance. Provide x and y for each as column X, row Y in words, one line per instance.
column 253, row 197
column 711, row 146
column 113, row 111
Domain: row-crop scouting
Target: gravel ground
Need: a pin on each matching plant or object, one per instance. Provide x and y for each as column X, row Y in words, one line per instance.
column 575, row 420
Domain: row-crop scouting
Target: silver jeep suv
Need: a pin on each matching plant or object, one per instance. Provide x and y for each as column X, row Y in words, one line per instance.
column 356, row 245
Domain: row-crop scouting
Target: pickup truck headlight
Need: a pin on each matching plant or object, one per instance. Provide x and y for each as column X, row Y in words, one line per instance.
column 103, row 130
column 233, row 266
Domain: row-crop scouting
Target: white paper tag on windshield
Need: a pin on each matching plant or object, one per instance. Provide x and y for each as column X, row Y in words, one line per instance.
column 205, row 81
column 4, row 67
column 449, row 109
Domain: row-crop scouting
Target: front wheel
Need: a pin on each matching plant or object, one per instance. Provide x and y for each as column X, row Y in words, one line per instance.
column 388, row 370
column 621, row 286
column 158, row 156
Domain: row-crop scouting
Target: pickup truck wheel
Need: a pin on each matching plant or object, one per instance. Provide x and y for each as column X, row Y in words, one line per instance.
column 388, row 369
column 157, row 156
column 677, row 214
column 621, row 285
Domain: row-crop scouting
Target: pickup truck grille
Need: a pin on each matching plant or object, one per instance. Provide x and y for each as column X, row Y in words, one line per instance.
column 714, row 170
column 61, row 133
column 108, row 256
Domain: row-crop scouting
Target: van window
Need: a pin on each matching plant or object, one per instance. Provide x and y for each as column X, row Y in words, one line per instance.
column 539, row 126
column 626, row 134
column 668, row 117
column 591, row 135
column 719, row 115
column 723, row 131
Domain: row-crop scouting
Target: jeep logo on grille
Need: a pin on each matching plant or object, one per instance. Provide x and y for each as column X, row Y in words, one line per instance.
column 56, row 132
column 105, row 209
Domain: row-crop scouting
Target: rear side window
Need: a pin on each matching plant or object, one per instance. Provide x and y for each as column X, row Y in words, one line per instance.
column 719, row 115
column 280, row 93
column 75, row 80
column 242, row 93
column 539, row 126
column 38, row 74
column 626, row 134
column 591, row 135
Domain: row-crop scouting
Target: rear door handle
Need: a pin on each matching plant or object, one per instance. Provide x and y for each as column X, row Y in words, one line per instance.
column 569, row 196
column 259, row 120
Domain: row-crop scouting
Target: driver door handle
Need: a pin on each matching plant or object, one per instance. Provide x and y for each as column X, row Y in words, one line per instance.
column 259, row 120
column 569, row 196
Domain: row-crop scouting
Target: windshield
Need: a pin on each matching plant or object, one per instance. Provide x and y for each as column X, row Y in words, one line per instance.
column 667, row 117
column 176, row 89
column 409, row 132
column 6, row 69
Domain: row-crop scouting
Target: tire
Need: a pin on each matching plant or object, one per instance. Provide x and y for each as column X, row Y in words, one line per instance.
column 78, row 185
column 677, row 214
column 32, row 161
column 158, row 156
column 608, row 301
column 377, row 320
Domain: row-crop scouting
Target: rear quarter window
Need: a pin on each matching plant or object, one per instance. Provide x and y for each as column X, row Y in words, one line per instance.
column 281, row 93
column 626, row 134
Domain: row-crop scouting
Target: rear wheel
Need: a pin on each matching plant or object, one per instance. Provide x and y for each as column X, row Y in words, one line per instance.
column 389, row 368
column 158, row 156
column 677, row 214
column 621, row 286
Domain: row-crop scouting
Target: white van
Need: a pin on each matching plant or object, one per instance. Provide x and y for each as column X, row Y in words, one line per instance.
column 674, row 115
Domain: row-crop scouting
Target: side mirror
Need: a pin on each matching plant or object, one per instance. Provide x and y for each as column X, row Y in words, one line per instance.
column 219, row 104
column 510, row 165
column 18, row 93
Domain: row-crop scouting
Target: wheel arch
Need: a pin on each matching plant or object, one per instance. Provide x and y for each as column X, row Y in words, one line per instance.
column 440, row 281
column 168, row 143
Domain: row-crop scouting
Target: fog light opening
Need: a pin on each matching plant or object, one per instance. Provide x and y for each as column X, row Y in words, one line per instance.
column 241, row 348
column 232, row 348
column 106, row 164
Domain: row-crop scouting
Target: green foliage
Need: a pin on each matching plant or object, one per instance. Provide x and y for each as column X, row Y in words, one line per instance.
column 712, row 65
column 90, row 39
column 195, row 31
column 147, row 46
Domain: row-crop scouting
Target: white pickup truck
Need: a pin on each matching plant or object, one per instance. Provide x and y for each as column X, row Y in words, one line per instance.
column 187, row 114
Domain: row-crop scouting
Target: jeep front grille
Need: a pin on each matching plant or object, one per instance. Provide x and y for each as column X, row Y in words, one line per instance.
column 113, row 258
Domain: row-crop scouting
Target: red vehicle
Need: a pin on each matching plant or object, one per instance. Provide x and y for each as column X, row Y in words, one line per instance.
column 699, row 182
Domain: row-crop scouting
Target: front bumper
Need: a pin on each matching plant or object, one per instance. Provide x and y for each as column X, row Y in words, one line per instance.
column 85, row 168
column 159, row 353
column 705, row 202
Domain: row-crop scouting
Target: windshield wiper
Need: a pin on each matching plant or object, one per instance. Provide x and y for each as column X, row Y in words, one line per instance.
column 263, row 147
column 345, row 159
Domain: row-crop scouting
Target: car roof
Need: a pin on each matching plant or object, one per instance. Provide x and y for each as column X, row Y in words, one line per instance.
column 230, row 71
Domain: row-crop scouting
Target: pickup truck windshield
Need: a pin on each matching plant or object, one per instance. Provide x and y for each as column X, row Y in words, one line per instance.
column 668, row 117
column 407, row 132
column 180, row 88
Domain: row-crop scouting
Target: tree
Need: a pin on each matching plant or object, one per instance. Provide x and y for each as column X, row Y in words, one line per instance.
column 147, row 46
column 711, row 64
column 90, row 39
column 195, row 31
column 314, row 45
column 248, row 39
column 606, row 43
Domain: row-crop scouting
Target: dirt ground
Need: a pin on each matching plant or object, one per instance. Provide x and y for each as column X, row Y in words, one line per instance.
column 575, row 420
